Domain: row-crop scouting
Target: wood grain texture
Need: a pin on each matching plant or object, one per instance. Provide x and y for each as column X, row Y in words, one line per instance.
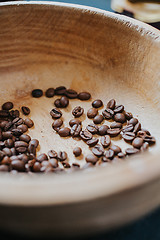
column 50, row 44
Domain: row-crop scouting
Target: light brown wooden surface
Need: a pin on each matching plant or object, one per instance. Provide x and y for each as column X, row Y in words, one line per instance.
column 46, row 45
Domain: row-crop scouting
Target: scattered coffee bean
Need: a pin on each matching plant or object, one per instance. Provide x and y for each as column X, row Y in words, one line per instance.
column 23, row 127
column 64, row 132
column 98, row 119
column 75, row 165
column 149, row 139
column 60, row 90
column 119, row 109
column 3, row 124
column 6, row 135
column 116, row 125
column 77, row 151
column 105, row 159
column 105, row 141
column 7, row 106
column 53, row 162
column 97, row 103
column 146, row 131
column 121, row 155
column 7, row 151
column 111, row 104
column 137, row 127
column 108, row 113
column 92, row 128
column 25, row 110
column 55, row 113
column 4, row 113
column 127, row 128
column 92, row 142
column 17, row 121
column 116, row 149
column 62, row 156
column 14, row 114
column 17, row 132
column 49, row 93
column 133, row 121
column 52, row 154
column 98, row 150
column 37, row 167
column 21, row 149
column 75, row 130
column 77, row 111
column 119, row 117
column 103, row 130
column 85, row 135
column 2, row 154
column 18, row 165
column 70, row 93
column 42, row 157
column 145, row 146
column 109, row 154
column 34, row 142
column 4, row 168
column 9, row 143
column 57, row 124
column 84, row 96
column 91, row 158
column 74, row 121
column 141, row 134
column 66, row 164
column 137, row 142
column 37, row 93
column 92, row 112
column 113, row 132
column 128, row 115
column 6, row 160
column 9, row 126
column 57, row 103
column 128, row 136
column 64, row 102
column 20, row 144
column 131, row 151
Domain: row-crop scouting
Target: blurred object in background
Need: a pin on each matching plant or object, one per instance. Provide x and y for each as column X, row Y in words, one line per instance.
column 144, row 10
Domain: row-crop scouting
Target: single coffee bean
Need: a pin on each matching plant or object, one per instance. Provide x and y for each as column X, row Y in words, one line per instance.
column 2, row 145
column 20, row 144
column 42, row 157
column 49, row 92
column 108, row 113
column 103, row 130
column 23, row 157
column 57, row 124
column 109, row 154
column 18, row 165
column 97, row 103
column 98, row 150
column 133, row 121
column 137, row 142
column 66, row 164
column 6, row 135
column 23, row 127
column 64, row 102
column 77, row 151
column 92, row 112
column 52, row 154
column 9, row 126
column 137, row 127
column 53, row 162
column 75, row 130
column 7, row 106
column 105, row 160
column 92, row 142
column 149, row 139
column 116, row 125
column 4, row 113
column 37, row 93
column 75, row 166
column 116, row 149
column 145, row 146
column 55, row 113
column 119, row 117
column 64, row 132
column 13, row 151
column 17, row 121
column 62, row 156
column 92, row 128
column 21, row 149
column 111, row 104
column 14, row 114
column 17, row 132
column 25, row 110
column 121, row 155
column 34, row 142
column 91, row 158
column 37, row 167
column 57, row 103
column 127, row 128
column 85, row 135
column 146, row 131
column 131, row 151
column 2, row 154
column 9, row 143
column 105, row 141
column 128, row 115
column 3, row 124
column 7, row 151
column 84, row 96
column 70, row 93
column 141, row 134
column 32, row 149
column 74, row 121
column 6, row 160
column 128, row 136
column 60, row 90
column 4, row 168
column 28, row 122
column 98, row 119
column 119, row 109
column 113, row 132
column 77, row 111
column 24, row 137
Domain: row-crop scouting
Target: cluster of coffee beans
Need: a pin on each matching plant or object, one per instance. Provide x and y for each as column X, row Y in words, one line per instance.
column 18, row 152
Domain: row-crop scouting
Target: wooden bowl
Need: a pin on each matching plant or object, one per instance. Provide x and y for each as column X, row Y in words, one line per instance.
column 45, row 45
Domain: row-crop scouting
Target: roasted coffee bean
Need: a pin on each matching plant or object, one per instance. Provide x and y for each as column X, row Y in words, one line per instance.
column 37, row 167
column 2, row 145
column 98, row 150
column 128, row 136
column 57, row 103
column 113, row 132
column 149, row 139
column 52, row 154
column 141, row 134
column 24, row 137
column 2, row 154
column 103, row 130
column 14, row 114
column 121, row 155
column 25, row 110
column 131, row 151
column 32, row 149
column 116, row 149
column 128, row 115
column 62, row 156
column 137, row 142
column 42, row 157
column 53, row 162
column 9, row 143
column 70, row 93
column 13, row 151
column 105, row 141
column 17, row 121
column 21, row 149
column 55, row 113
column 85, row 135
column 17, row 132
column 75, row 130
column 137, row 127
column 34, row 142
column 75, row 165
column 23, row 127
column 18, row 165
column 3, row 124
column 6, row 160
column 119, row 117
column 64, row 102
column 4, row 113
column 74, row 121
column 4, row 168
column 108, row 113
column 77, row 151
column 109, row 154
column 66, row 164
column 9, row 126
column 146, row 131
column 23, row 157
column 7, row 151
column 145, row 146
column 28, row 122
column 133, row 121
column 105, row 159
column 7, row 106
column 111, row 104
column 91, row 158
column 6, row 135
column 116, row 125
column 77, row 111
column 60, row 90
column 49, row 92
column 20, row 144
column 84, row 96
column 119, row 109
column 92, row 142
column 127, row 128
column 37, row 93
column 97, row 103
column 92, row 112
column 57, row 124
column 92, row 128
column 64, row 132
column 98, row 119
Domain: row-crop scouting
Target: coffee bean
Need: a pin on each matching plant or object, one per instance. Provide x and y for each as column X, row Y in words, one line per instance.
column 6, row 160
column 109, row 154
column 9, row 126
column 3, row 124
column 137, row 127
column 97, row 103
column 74, row 121
column 111, row 104
column 75, row 165
column 70, row 93
column 17, row 121
column 128, row 115
column 105, row 141
column 6, row 135
column 57, row 124
column 66, row 164
column 17, row 132
column 128, row 136
column 85, row 135
column 34, row 142
column 57, row 103
column 55, row 113
column 149, row 139
column 75, row 130
column 13, row 150
column 105, row 160
column 4, row 113
column 7, row 106
column 60, row 90
column 2, row 154
column 32, row 149
column 37, row 93
column 90, row 158
column 62, row 156
column 116, row 149
column 92, row 128
column 53, row 162
column 146, row 131
column 25, row 110
column 131, row 151
column 84, row 96
column 18, row 165
column 116, row 125
column 92, row 112
column 77, row 111
column 64, row 132
column 144, row 146
column 52, row 154
column 141, row 134
column 37, row 167
column 23, row 157
column 133, row 121
column 49, row 92
column 23, row 127
column 77, row 151
column 20, row 144
column 98, row 150
column 21, row 149
column 14, row 114
column 28, row 122
column 42, row 157
column 7, row 151
column 113, row 132
column 103, row 130
column 92, row 142
column 98, row 119
column 119, row 117
column 4, row 168
column 121, row 155
column 128, row 128
column 64, row 102
column 137, row 142
column 9, row 143
column 108, row 113
column 119, row 109
column 24, row 137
